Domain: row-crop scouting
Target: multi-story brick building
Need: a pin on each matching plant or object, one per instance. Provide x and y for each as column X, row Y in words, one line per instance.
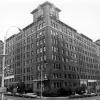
column 48, row 46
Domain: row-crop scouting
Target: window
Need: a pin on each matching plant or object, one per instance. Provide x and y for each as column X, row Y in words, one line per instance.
column 41, row 58
column 62, row 51
column 45, row 76
column 70, row 40
column 65, row 75
column 32, row 45
column 54, row 49
column 63, row 59
column 37, row 51
column 28, row 61
column 43, row 32
column 41, row 50
column 32, row 60
column 44, row 57
column 32, row 38
column 28, row 47
column 55, row 57
column 52, row 56
column 44, row 48
column 38, row 68
column 38, row 59
column 53, row 32
column 37, row 35
column 32, row 30
column 24, row 63
column 41, row 42
column 32, row 53
column 28, row 54
column 66, row 53
column 65, row 68
column 28, row 39
column 61, row 36
column 40, row 33
column 37, row 43
column 40, row 26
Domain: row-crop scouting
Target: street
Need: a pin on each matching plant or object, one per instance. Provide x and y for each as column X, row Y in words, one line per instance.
column 51, row 98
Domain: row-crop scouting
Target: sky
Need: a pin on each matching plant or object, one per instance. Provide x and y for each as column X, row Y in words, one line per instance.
column 82, row 15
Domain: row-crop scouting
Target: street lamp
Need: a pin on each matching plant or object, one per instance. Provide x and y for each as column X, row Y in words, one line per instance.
column 3, row 65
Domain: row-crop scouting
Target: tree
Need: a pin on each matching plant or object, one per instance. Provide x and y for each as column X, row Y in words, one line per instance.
column 21, row 87
column 11, row 87
column 81, row 89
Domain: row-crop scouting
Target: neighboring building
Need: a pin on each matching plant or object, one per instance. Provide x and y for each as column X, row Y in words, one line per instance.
column 9, row 64
column 1, row 53
column 1, row 47
column 67, row 58
column 98, row 71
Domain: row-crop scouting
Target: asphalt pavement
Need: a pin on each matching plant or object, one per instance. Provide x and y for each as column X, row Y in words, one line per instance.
column 51, row 98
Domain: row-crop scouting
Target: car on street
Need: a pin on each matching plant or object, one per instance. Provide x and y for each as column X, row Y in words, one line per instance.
column 30, row 95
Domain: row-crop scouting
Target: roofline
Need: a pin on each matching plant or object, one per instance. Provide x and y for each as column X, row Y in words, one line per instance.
column 42, row 5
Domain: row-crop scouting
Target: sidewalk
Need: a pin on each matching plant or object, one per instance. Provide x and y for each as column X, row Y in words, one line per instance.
column 54, row 98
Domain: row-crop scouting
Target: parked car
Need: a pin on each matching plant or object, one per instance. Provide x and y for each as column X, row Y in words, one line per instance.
column 17, row 94
column 30, row 95
column 93, row 94
column 75, row 96
column 8, row 93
